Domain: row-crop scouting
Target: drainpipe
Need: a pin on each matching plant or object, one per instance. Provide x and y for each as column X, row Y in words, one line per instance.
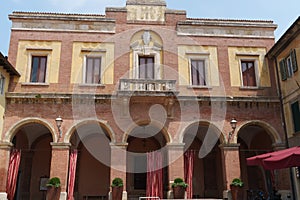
column 284, row 125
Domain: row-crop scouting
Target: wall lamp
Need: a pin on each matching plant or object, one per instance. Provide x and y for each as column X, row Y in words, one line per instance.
column 59, row 121
column 233, row 123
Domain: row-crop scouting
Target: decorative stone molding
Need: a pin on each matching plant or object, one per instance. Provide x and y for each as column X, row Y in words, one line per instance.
column 230, row 147
column 227, row 28
column 61, row 22
column 6, row 145
column 118, row 145
column 59, row 145
column 3, row 196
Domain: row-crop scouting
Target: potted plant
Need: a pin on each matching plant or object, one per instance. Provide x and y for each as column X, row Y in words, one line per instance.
column 179, row 187
column 53, row 189
column 117, row 189
column 236, row 189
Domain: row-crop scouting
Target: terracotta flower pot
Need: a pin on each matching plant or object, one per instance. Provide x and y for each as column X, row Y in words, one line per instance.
column 53, row 193
column 117, row 192
column 178, row 192
column 236, row 192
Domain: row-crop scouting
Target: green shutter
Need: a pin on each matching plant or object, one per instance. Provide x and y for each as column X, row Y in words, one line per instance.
column 296, row 116
column 283, row 70
column 294, row 60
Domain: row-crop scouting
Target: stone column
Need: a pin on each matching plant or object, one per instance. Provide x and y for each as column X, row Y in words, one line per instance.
column 60, row 165
column 118, row 164
column 176, row 163
column 231, row 164
column 5, row 148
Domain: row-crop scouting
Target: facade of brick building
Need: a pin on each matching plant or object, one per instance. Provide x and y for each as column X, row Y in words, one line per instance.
column 285, row 55
column 141, row 78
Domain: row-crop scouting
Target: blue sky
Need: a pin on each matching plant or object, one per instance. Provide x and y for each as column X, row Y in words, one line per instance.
column 283, row 13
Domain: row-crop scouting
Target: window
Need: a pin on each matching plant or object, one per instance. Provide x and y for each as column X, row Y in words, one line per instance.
column 2, row 84
column 146, row 67
column 38, row 69
column 296, row 115
column 93, row 70
column 198, row 75
column 288, row 66
column 248, row 73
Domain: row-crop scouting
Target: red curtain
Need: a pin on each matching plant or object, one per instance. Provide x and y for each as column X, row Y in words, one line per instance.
column 72, row 171
column 13, row 168
column 154, row 175
column 188, row 172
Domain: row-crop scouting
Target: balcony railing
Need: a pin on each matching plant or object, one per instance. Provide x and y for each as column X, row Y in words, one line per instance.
column 147, row 85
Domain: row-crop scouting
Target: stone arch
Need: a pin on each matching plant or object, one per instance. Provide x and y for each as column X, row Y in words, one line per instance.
column 79, row 123
column 271, row 131
column 18, row 125
column 156, row 124
column 205, row 123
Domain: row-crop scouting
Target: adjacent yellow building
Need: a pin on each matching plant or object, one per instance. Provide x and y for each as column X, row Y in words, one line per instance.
column 7, row 71
column 286, row 56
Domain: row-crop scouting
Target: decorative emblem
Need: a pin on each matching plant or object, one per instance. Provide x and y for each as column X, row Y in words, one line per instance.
column 146, row 37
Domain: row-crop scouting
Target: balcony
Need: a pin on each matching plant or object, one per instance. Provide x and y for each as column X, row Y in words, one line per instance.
column 147, row 86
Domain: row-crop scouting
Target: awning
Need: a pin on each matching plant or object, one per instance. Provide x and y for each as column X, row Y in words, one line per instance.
column 277, row 160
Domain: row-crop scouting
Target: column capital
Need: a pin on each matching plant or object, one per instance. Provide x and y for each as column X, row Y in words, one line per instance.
column 175, row 145
column 122, row 145
column 279, row 146
column 230, row 146
column 6, row 145
column 60, row 145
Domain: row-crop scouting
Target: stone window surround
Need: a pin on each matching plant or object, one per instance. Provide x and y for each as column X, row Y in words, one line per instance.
column 248, row 57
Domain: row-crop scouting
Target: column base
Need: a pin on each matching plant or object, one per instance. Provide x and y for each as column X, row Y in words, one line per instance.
column 227, row 194
column 3, row 196
column 124, row 196
column 63, row 196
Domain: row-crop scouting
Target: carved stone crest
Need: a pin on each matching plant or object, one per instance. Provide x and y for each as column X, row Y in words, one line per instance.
column 146, row 37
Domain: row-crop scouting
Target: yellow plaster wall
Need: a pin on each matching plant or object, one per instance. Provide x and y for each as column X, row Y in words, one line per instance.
column 185, row 52
column 28, row 48
column 290, row 88
column 290, row 85
column 82, row 49
column 236, row 53
column 2, row 98
column 289, row 119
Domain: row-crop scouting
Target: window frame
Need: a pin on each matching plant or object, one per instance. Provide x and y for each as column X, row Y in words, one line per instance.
column 255, row 62
column 84, row 70
column 38, row 69
column 205, row 72
column 2, row 84
column 38, row 53
column 146, row 71
column 292, row 114
column 204, row 57
column 288, row 65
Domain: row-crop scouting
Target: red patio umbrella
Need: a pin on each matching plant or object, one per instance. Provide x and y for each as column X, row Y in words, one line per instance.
column 277, row 160
column 285, row 159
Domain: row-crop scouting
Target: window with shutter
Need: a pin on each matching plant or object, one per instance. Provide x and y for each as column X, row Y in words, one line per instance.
column 294, row 60
column 283, row 70
column 296, row 115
